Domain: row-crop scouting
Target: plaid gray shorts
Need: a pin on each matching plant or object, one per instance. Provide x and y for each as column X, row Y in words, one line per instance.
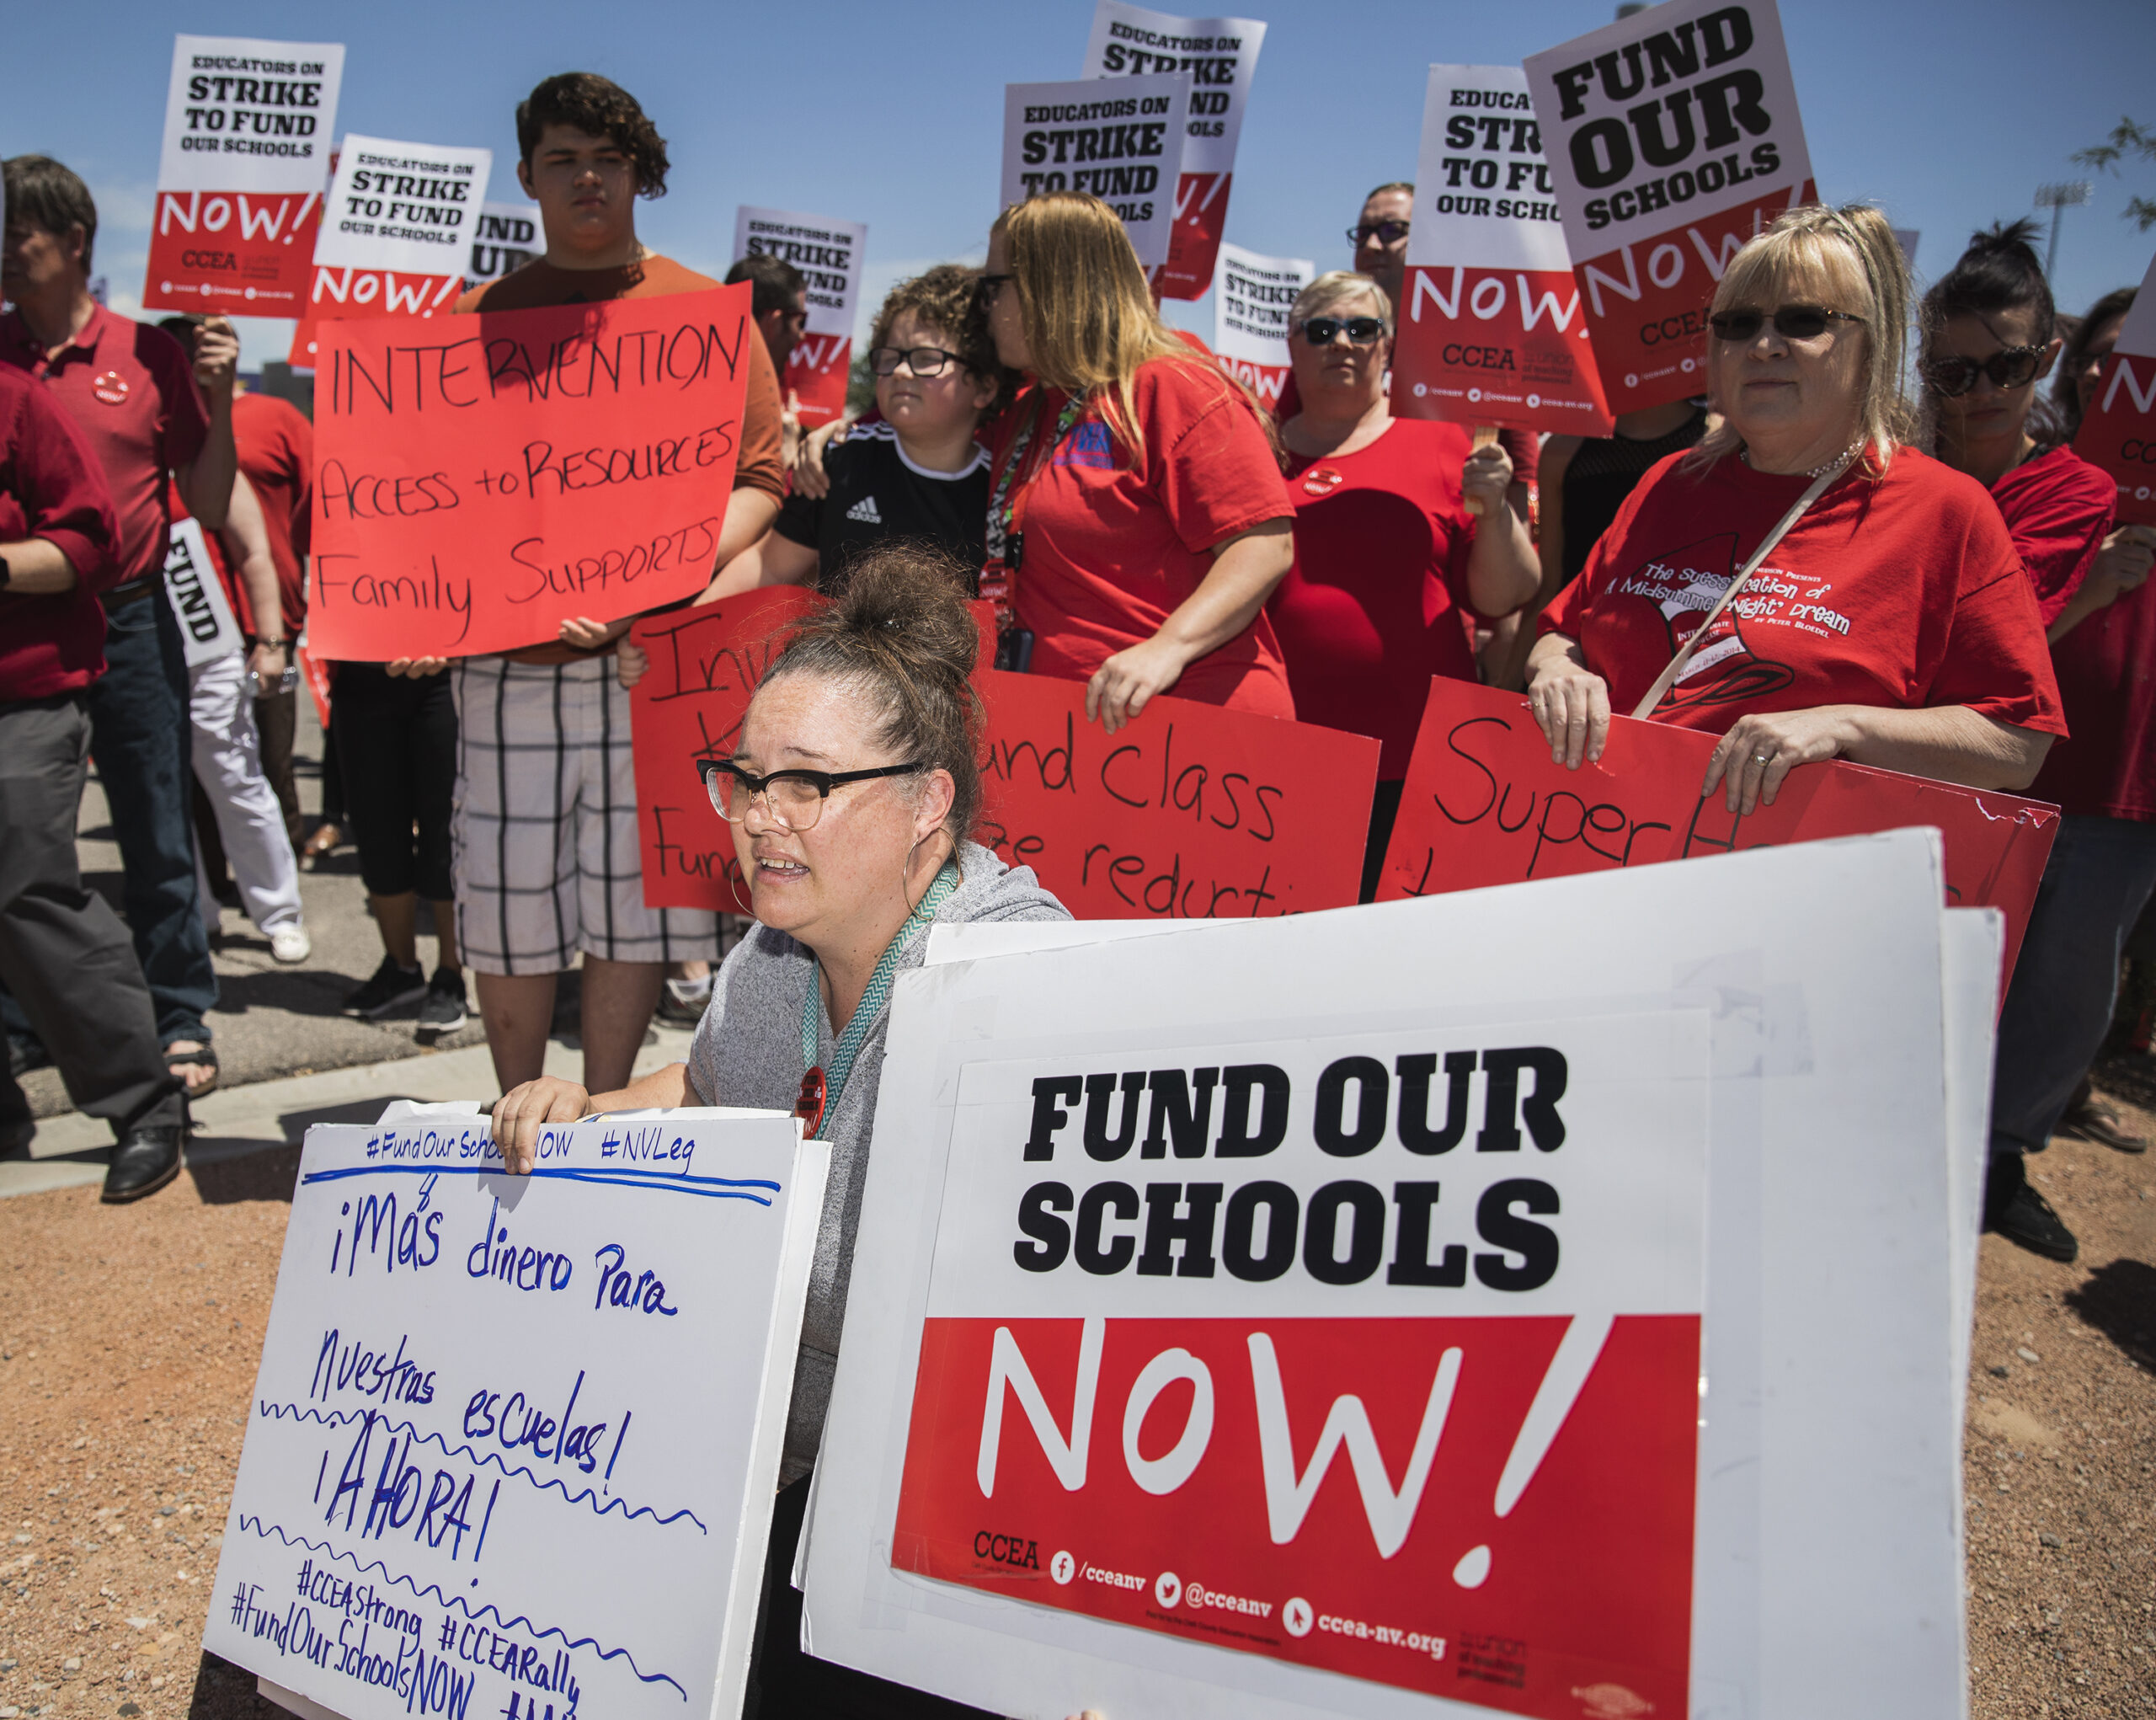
column 546, row 857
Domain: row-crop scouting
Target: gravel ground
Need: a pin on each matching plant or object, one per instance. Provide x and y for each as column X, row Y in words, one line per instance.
column 128, row 1337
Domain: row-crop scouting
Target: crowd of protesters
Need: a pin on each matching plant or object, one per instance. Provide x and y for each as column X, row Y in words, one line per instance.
column 1138, row 522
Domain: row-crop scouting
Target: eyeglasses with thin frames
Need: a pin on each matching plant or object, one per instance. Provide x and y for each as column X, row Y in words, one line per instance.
column 794, row 798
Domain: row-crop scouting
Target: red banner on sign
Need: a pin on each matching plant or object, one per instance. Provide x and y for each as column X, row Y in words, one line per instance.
column 1498, row 346
column 2118, row 434
column 816, row 373
column 1368, row 1500
column 373, row 293
column 1195, row 242
column 1485, row 804
column 1191, row 812
column 232, row 253
column 479, row 480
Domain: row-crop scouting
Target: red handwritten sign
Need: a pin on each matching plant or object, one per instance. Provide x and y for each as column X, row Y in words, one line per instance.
column 1191, row 812
column 1484, row 804
column 480, row 480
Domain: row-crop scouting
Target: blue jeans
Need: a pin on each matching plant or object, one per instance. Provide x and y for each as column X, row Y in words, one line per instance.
column 140, row 737
column 2058, row 1004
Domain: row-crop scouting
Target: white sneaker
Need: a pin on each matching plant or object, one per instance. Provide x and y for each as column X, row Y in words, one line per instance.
column 291, row 944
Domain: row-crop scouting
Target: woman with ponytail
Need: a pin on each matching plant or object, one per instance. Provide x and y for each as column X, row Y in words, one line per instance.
column 1138, row 520
column 850, row 795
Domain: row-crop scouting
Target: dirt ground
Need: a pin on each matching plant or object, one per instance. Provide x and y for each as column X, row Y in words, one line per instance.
column 128, row 1337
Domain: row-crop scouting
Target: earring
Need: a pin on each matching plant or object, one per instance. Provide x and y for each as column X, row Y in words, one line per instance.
column 734, row 890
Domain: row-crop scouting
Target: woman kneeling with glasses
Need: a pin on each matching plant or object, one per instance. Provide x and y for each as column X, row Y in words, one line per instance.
column 1891, row 622
column 850, row 797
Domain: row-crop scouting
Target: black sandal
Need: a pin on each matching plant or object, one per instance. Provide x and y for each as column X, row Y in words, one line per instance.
column 205, row 1057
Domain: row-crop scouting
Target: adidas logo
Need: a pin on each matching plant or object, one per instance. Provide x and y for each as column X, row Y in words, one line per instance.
column 865, row 511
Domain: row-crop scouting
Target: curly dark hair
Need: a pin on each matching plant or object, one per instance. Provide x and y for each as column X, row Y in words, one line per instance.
column 601, row 108
column 947, row 297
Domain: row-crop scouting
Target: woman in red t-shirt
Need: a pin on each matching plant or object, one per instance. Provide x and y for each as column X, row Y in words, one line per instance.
column 1891, row 625
column 1138, row 520
column 1390, row 567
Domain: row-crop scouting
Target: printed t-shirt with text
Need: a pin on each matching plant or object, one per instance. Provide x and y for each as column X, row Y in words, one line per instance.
column 878, row 496
column 760, row 464
column 1377, row 601
column 1902, row 591
column 2058, row 510
column 1111, row 550
column 131, row 393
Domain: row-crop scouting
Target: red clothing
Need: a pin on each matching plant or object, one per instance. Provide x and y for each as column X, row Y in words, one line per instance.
column 131, row 390
column 276, row 453
column 2058, row 508
column 1374, row 604
column 1904, row 591
column 1111, row 550
column 51, row 486
column 1524, row 447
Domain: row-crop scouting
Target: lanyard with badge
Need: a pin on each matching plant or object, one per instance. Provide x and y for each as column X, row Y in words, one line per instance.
column 820, row 1092
column 1007, row 535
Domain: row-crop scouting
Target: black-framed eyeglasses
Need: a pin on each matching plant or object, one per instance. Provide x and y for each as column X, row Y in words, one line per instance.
column 795, row 798
column 1792, row 321
column 2009, row 367
column 1323, row 331
column 921, row 361
column 991, row 285
column 1385, row 233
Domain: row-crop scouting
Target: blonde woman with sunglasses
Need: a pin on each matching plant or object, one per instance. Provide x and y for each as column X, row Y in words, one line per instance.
column 1889, row 624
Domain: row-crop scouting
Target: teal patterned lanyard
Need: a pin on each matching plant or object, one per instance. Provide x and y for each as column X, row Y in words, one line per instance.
column 873, row 1000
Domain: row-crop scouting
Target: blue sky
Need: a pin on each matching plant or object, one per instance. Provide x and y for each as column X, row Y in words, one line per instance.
column 1948, row 116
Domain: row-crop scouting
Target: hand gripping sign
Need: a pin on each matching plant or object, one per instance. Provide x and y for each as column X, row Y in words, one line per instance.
column 1484, row 804
column 479, row 480
column 1220, row 54
column 1122, row 142
column 1251, row 298
column 1492, row 332
column 248, row 126
column 1672, row 137
column 1327, row 1315
column 828, row 252
column 2119, row 433
column 514, row 1441
column 1190, row 813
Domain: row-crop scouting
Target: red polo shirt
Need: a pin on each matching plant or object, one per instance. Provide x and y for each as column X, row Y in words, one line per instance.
column 50, row 488
column 276, row 452
column 131, row 393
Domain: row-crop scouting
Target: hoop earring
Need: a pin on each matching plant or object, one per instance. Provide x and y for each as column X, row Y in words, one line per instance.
column 734, row 890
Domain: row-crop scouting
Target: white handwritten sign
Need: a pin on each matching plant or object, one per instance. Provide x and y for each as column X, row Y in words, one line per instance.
column 514, row 1443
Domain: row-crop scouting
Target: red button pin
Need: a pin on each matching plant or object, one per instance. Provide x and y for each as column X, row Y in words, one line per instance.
column 112, row 388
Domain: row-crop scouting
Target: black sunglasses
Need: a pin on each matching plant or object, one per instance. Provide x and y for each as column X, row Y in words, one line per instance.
column 921, row 361
column 1321, row 331
column 2009, row 367
column 1385, row 233
column 1792, row 321
column 796, row 797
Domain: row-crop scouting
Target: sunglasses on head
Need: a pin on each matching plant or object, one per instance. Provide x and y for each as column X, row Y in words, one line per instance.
column 2009, row 367
column 1321, row 331
column 1792, row 321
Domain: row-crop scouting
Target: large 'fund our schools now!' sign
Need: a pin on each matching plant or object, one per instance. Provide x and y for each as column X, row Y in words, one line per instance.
column 2119, row 433
column 246, row 159
column 1672, row 137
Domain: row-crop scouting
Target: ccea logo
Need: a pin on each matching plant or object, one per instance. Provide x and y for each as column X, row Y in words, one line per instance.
column 1014, row 1550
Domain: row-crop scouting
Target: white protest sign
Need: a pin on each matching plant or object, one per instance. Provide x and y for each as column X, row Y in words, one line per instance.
column 1123, row 145
column 248, row 126
column 398, row 228
column 207, row 630
column 507, row 236
column 1251, row 298
column 829, row 254
column 1491, row 332
column 1672, row 137
column 1265, row 1319
column 515, row 1440
column 1220, row 54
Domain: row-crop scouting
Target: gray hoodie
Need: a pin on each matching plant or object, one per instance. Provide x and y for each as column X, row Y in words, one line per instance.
column 748, row 1052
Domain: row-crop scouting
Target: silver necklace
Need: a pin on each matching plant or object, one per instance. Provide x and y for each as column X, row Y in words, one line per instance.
column 1824, row 467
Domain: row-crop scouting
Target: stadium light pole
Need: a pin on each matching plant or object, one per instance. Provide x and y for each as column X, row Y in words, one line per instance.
column 2068, row 194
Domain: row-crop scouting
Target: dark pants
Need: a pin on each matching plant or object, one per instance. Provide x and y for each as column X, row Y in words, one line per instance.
column 2058, row 1004
column 784, row 1684
column 141, row 738
column 276, row 721
column 64, row 955
column 396, row 741
column 333, row 774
